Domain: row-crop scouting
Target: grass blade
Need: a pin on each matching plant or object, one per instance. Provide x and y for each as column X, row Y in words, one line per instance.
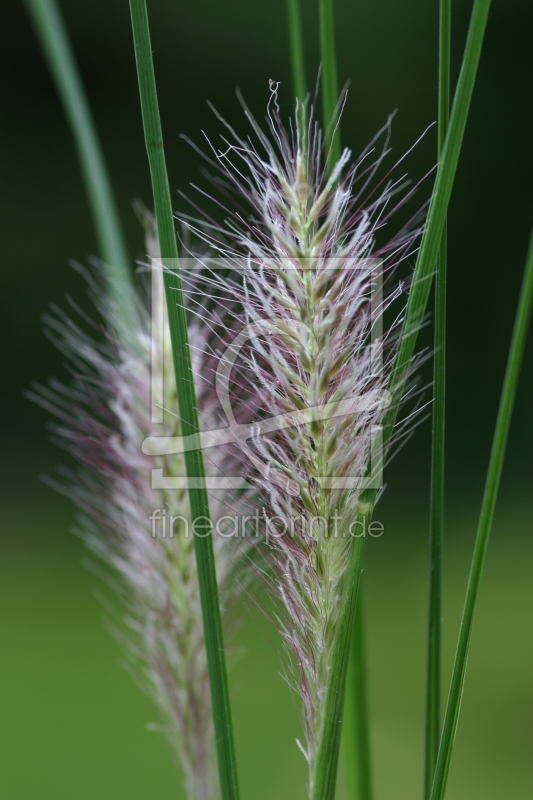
column 330, row 93
column 53, row 38
column 325, row 774
column 187, row 403
column 490, row 494
column 431, row 240
column 356, row 728
column 297, row 49
column 436, row 531
column 330, row 734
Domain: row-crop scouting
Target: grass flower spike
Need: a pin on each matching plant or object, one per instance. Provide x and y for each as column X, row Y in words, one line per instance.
column 317, row 368
column 103, row 420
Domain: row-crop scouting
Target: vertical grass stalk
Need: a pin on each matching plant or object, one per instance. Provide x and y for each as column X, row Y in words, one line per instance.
column 431, row 240
column 356, row 727
column 297, row 49
column 330, row 93
column 55, row 44
column 436, row 531
column 328, row 747
column 490, row 494
column 187, row 403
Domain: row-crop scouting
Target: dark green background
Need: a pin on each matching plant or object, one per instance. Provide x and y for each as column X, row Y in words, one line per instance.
column 72, row 721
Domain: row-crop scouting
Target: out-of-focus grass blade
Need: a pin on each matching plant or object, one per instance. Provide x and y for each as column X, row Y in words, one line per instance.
column 490, row 494
column 325, row 771
column 54, row 41
column 330, row 93
column 297, row 49
column 436, row 527
column 187, row 403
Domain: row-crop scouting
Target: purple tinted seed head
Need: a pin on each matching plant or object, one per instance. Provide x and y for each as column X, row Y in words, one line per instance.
column 300, row 260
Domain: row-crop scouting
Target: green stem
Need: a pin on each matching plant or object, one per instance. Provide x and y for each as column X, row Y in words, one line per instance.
column 436, row 531
column 325, row 771
column 356, row 728
column 297, row 49
column 431, row 240
column 329, row 739
column 53, row 38
column 187, row 404
column 490, row 494
column 330, row 93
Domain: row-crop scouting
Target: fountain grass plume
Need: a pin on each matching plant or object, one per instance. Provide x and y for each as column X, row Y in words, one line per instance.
column 104, row 417
column 303, row 265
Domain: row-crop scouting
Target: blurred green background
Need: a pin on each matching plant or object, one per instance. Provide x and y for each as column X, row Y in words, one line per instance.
column 73, row 724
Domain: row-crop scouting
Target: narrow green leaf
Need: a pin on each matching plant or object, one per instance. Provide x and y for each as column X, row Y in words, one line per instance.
column 297, row 49
column 325, row 773
column 356, row 728
column 436, row 530
column 330, row 93
column 490, row 494
column 431, row 240
column 54, row 41
column 187, row 403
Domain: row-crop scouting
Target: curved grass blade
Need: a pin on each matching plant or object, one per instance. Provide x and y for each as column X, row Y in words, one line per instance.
column 330, row 92
column 431, row 240
column 329, row 740
column 490, row 494
column 436, row 530
column 55, row 44
column 187, row 403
